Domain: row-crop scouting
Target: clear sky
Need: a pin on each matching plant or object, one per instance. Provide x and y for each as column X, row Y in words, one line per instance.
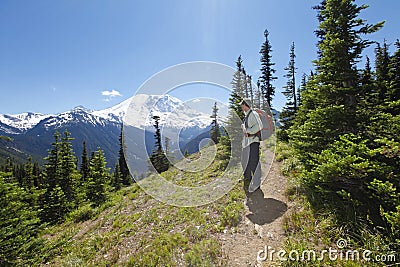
column 55, row 55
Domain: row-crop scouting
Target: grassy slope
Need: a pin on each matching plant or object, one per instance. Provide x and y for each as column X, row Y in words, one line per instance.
column 134, row 229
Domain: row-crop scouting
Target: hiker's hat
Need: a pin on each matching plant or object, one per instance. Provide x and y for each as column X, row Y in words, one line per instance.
column 246, row 102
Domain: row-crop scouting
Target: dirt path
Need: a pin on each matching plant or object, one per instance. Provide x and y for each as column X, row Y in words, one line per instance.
column 262, row 224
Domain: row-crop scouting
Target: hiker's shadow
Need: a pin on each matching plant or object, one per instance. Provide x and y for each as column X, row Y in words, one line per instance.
column 264, row 210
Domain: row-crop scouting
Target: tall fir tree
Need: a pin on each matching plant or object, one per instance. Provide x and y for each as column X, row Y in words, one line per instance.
column 215, row 131
column 116, row 182
column 30, row 180
column 246, row 92
column 99, row 175
column 368, row 95
column 351, row 156
column 258, row 95
column 69, row 176
column 84, row 164
column 250, row 88
column 290, row 108
column 55, row 204
column 394, row 76
column 238, row 89
column 382, row 61
column 290, row 87
column 31, row 183
column 125, row 175
column 157, row 158
column 301, row 88
column 329, row 103
column 60, row 179
column 235, row 113
column 267, row 72
column 367, row 78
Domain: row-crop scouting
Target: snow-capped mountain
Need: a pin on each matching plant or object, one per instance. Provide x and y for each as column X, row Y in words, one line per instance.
column 33, row 132
column 18, row 123
column 172, row 111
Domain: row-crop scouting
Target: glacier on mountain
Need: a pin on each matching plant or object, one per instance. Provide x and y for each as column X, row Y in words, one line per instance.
column 172, row 111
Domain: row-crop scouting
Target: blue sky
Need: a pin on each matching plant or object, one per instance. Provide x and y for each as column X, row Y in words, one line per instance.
column 55, row 55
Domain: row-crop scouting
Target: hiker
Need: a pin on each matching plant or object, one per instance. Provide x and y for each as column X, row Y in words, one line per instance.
column 251, row 146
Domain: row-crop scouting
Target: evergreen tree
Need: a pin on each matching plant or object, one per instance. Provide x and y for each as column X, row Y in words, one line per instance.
column 116, row 182
column 382, row 113
column 329, row 103
column 186, row 154
column 257, row 96
column 302, row 87
column 238, row 89
column 123, row 167
column 19, row 173
column 250, row 88
column 215, row 132
column 8, row 166
column 84, row 163
column 19, row 224
column 60, row 179
column 69, row 175
column 367, row 95
column 235, row 114
column 157, row 135
column 344, row 133
column 393, row 94
column 54, row 200
column 158, row 158
column 30, row 180
column 267, row 72
column 382, row 61
column 246, row 92
column 96, row 188
column 367, row 78
column 290, row 108
column 37, row 175
column 290, row 87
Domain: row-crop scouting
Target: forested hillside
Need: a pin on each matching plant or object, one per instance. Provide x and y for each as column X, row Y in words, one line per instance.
column 343, row 137
column 338, row 144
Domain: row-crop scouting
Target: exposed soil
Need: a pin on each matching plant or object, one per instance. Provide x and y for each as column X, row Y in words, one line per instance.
column 262, row 224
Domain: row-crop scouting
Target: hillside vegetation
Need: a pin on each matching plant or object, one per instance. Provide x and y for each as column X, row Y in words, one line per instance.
column 134, row 229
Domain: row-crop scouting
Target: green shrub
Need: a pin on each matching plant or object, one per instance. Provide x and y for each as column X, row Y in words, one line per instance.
column 82, row 214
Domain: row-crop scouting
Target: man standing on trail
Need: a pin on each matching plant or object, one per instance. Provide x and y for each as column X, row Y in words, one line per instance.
column 251, row 146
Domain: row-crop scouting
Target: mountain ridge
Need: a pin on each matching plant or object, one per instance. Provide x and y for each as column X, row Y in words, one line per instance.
column 33, row 133
column 22, row 122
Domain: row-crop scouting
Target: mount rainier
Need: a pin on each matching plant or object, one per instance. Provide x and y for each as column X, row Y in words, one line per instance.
column 33, row 133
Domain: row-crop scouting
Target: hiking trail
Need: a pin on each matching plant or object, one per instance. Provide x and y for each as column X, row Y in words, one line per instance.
column 262, row 224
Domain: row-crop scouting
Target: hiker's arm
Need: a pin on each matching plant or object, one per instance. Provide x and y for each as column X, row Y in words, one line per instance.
column 254, row 124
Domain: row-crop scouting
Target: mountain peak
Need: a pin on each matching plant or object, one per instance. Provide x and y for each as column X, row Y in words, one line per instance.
column 173, row 112
column 80, row 107
column 165, row 106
